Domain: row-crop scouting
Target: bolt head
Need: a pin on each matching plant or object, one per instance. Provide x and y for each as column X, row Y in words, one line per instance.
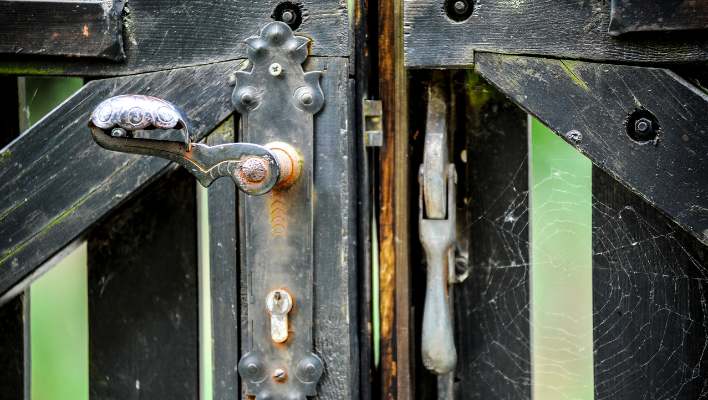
column 254, row 170
column 643, row 125
column 275, row 69
column 288, row 16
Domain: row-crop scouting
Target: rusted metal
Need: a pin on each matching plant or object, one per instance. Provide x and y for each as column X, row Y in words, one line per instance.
column 277, row 101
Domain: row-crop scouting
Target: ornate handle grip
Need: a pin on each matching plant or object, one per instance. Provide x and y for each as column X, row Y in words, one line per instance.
column 254, row 168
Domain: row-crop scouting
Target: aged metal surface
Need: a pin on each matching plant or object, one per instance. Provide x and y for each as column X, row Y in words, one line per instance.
column 62, row 28
column 56, row 181
column 667, row 167
column 573, row 29
column 253, row 168
column 657, row 15
column 435, row 155
column 277, row 101
column 438, row 239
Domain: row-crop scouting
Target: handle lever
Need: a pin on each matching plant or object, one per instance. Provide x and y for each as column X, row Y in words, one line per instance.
column 254, row 168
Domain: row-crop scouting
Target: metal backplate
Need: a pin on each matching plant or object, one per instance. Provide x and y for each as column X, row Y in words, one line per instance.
column 277, row 101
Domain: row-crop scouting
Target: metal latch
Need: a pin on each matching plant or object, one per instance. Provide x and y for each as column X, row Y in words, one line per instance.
column 277, row 101
column 438, row 226
column 373, row 130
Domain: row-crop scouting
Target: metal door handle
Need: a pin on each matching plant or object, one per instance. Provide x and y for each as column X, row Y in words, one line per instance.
column 255, row 169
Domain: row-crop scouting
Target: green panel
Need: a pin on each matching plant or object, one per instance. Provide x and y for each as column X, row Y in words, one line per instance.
column 561, row 268
column 59, row 331
column 58, row 300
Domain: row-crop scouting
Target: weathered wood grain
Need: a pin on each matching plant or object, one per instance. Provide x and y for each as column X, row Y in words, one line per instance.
column 223, row 276
column 13, row 351
column 164, row 34
column 56, row 182
column 62, row 28
column 142, row 301
column 573, row 29
column 396, row 366
column 650, row 297
column 657, row 15
column 589, row 104
column 492, row 328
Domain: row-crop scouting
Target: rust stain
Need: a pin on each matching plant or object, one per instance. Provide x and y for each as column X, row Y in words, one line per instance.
column 278, row 214
column 85, row 31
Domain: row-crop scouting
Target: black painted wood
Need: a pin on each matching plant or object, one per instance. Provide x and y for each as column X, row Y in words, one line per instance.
column 492, row 304
column 143, row 306
column 589, row 104
column 657, row 15
column 12, row 349
column 650, row 297
column 56, row 182
column 224, row 275
column 574, row 29
column 62, row 28
column 335, row 310
column 163, row 34
column 9, row 109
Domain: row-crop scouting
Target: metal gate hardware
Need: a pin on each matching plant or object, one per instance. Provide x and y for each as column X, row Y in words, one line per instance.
column 254, row 168
column 437, row 224
column 279, row 303
column 277, row 101
column 373, row 131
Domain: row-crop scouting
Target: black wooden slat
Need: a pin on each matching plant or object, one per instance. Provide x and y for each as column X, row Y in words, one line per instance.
column 62, row 28
column 657, row 15
column 335, row 311
column 223, row 268
column 574, row 29
column 650, row 300
column 492, row 305
column 13, row 349
column 9, row 109
column 55, row 181
column 589, row 104
column 163, row 34
column 143, row 306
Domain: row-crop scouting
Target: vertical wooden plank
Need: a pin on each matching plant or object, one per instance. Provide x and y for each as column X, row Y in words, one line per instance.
column 13, row 350
column 395, row 294
column 223, row 276
column 650, row 291
column 143, row 325
column 13, row 347
column 492, row 304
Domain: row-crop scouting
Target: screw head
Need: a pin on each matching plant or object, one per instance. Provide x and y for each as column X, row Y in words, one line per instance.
column 288, row 16
column 119, row 132
column 643, row 125
column 460, row 6
column 279, row 374
column 275, row 69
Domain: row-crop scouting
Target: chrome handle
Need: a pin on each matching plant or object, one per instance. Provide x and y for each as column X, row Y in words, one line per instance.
column 255, row 169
